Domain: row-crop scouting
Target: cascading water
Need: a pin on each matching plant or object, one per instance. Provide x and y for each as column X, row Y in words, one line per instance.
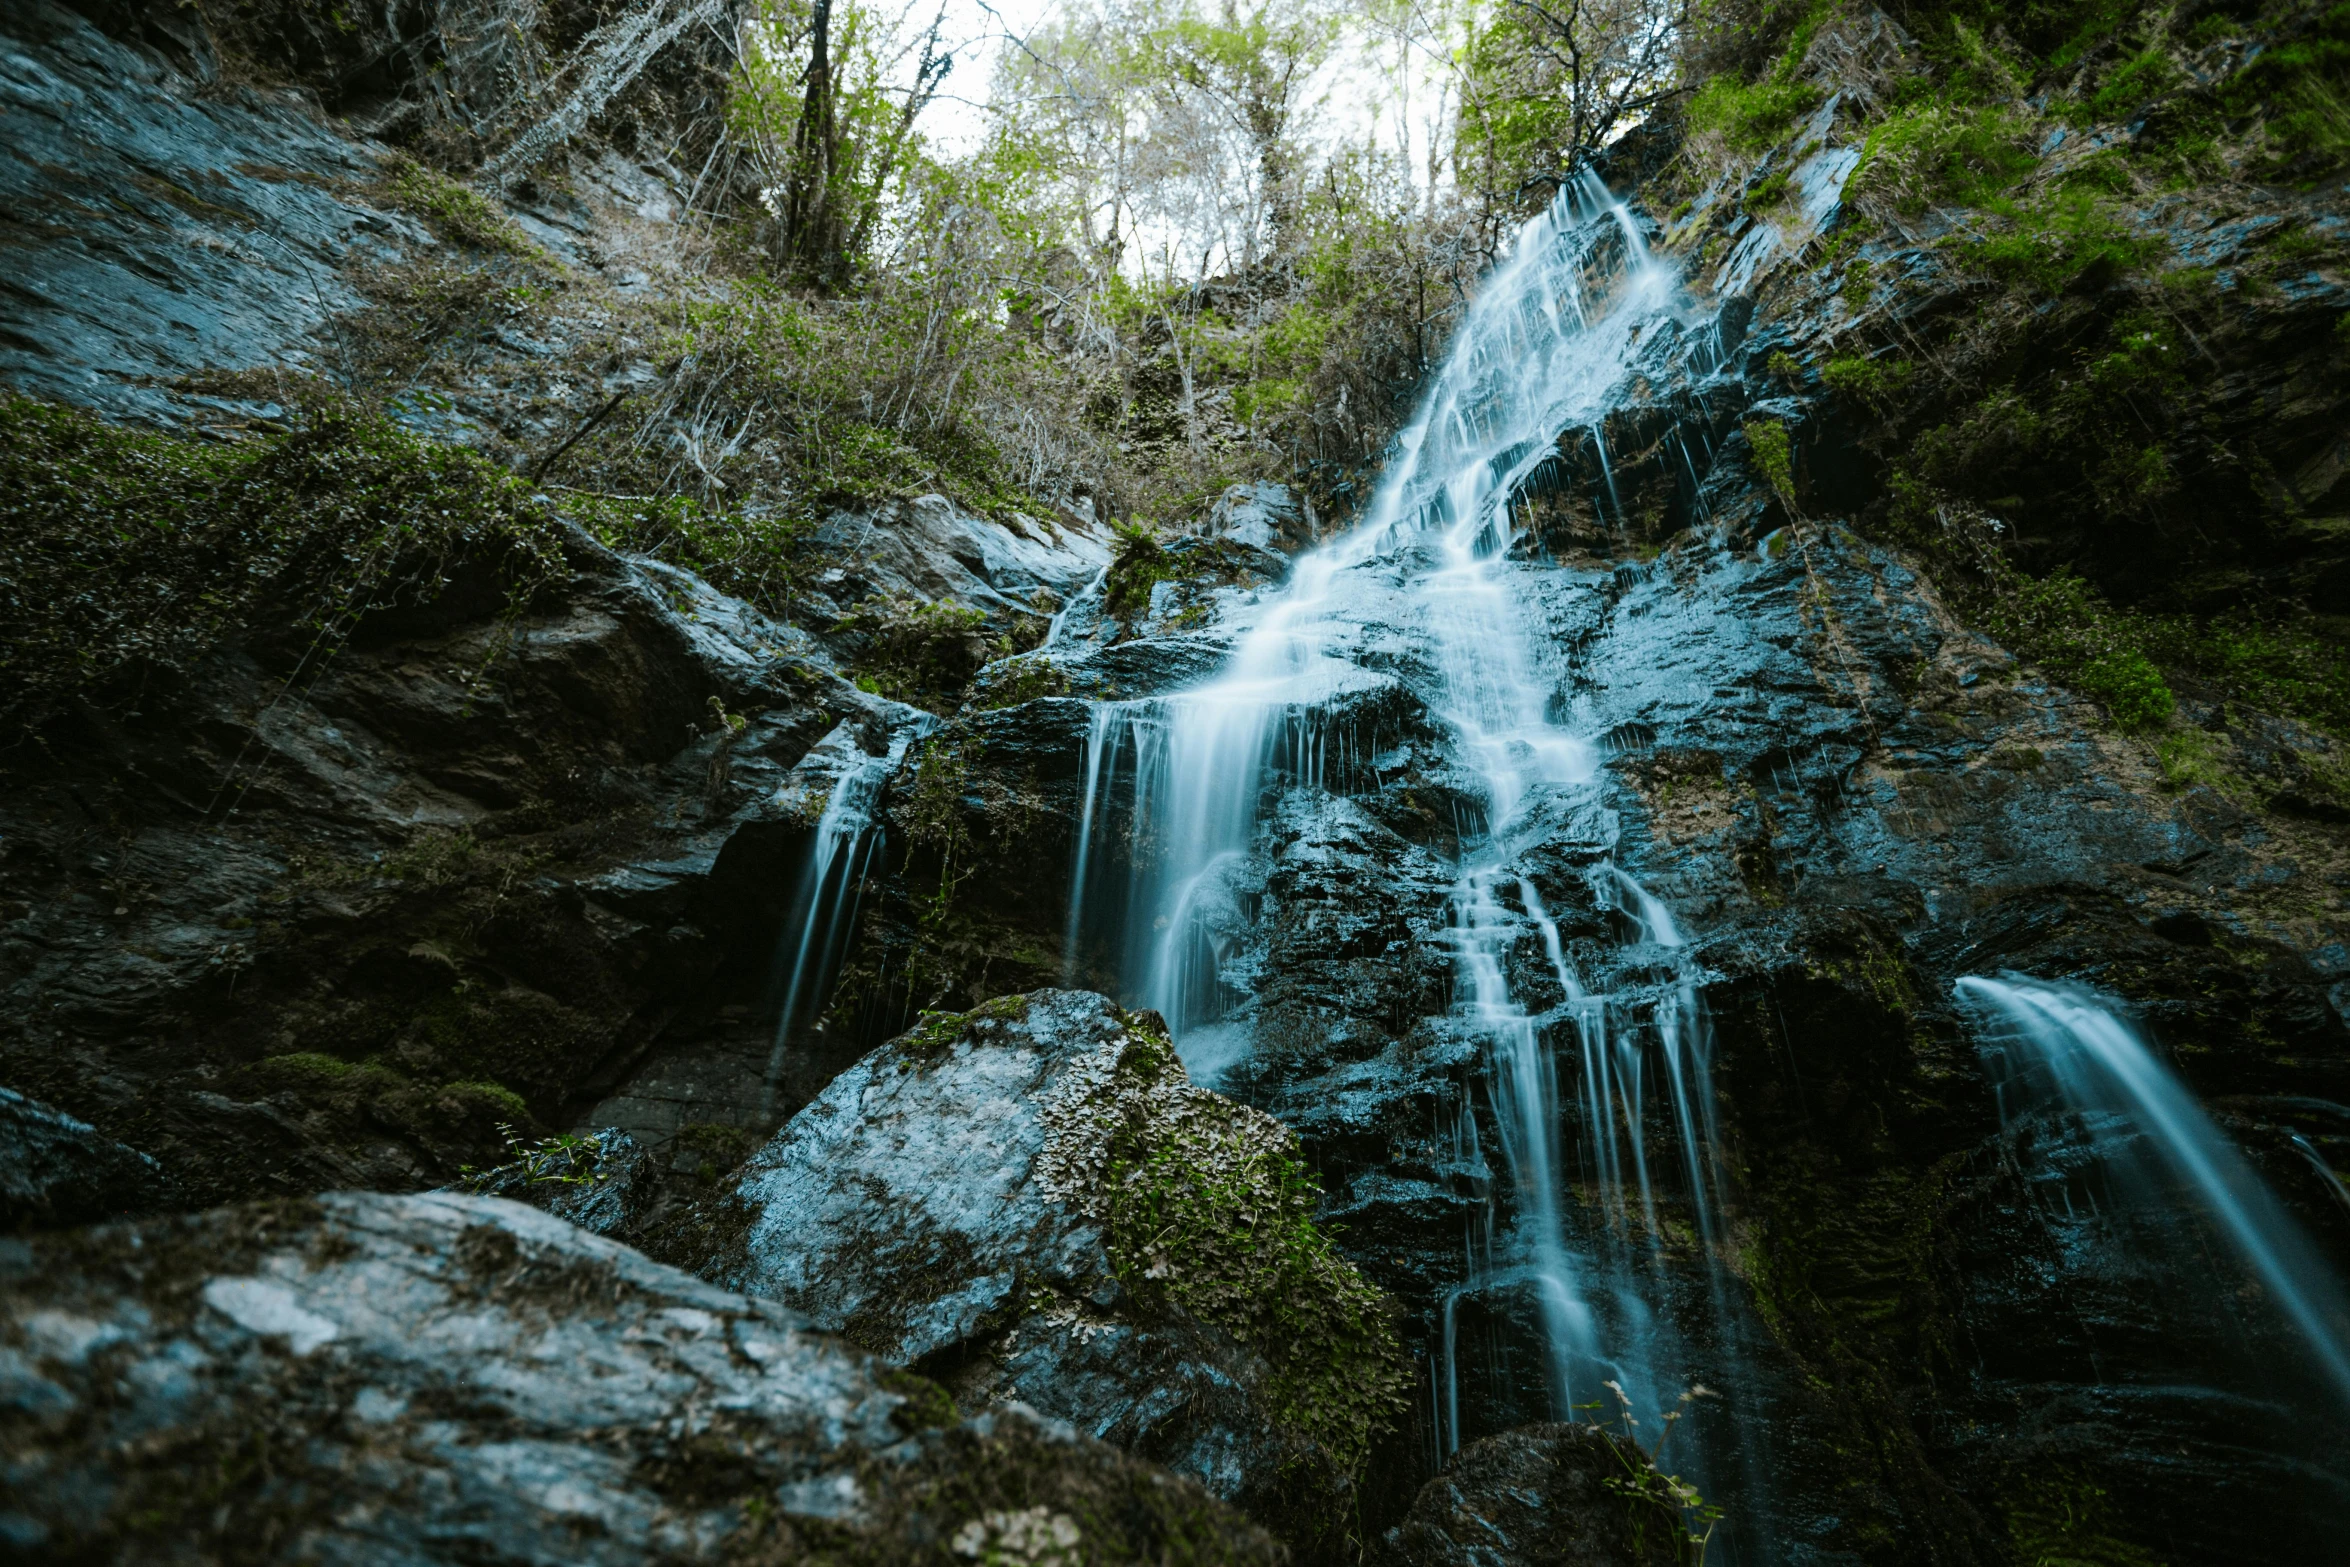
column 2062, row 1052
column 1422, row 598
column 824, row 908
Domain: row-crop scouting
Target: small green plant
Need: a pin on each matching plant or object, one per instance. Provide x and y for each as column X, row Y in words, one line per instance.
column 1767, row 193
column 560, row 1160
column 1645, row 1481
column 2132, row 689
column 1774, row 455
column 1875, row 383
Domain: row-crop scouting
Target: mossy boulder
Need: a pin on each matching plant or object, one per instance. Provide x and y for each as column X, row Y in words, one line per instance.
column 443, row 1379
column 1031, row 1202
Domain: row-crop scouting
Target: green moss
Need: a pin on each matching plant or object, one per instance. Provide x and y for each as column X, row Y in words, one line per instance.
column 1141, row 564
column 1211, row 1212
column 122, row 551
column 912, row 651
column 932, row 1039
column 1874, row 382
column 459, row 211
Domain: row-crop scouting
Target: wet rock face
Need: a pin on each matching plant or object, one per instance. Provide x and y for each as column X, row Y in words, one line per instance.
column 949, row 1203
column 379, row 908
column 1538, row 1496
column 56, row 1171
column 425, row 1379
column 108, row 138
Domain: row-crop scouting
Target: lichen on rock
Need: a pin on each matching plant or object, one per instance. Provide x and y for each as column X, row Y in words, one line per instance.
column 1032, row 1203
column 1208, row 1209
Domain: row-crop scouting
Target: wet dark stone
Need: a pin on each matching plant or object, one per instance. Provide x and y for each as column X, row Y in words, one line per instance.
column 57, row 1171
column 441, row 1379
column 1544, row 1495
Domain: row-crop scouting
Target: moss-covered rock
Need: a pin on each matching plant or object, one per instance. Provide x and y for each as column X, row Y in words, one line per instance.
column 1031, row 1202
column 423, row 1379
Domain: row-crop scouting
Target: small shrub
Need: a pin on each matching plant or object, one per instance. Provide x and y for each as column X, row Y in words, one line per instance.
column 1750, row 118
column 2132, row 689
column 1766, row 195
column 1877, row 383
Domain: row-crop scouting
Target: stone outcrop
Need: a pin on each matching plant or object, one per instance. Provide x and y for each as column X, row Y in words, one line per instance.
column 436, row 1379
column 1031, row 1204
column 1542, row 1496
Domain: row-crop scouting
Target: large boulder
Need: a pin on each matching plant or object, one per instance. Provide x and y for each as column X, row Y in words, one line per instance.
column 444, row 1379
column 1031, row 1203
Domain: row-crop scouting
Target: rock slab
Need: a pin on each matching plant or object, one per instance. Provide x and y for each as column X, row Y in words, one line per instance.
column 442, row 1379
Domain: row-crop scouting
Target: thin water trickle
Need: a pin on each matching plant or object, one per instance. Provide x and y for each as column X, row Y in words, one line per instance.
column 832, row 883
column 2057, row 1048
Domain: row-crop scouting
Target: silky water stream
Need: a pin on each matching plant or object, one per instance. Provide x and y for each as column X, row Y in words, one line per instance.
column 1595, row 1286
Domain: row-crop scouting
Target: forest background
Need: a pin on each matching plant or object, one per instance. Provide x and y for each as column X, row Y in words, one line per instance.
column 1158, row 247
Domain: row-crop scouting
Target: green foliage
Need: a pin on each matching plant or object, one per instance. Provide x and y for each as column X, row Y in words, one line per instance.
column 1859, row 286
column 2065, row 1520
column 1767, row 193
column 1940, row 153
column 763, row 558
column 2190, row 760
column 1774, row 455
column 2299, row 86
column 1877, row 383
column 912, row 651
column 1141, row 564
column 1751, row 117
column 559, row 1160
column 458, row 211
column 2129, row 685
column 2144, row 76
column 1029, row 680
column 932, row 812
column 122, row 551
column 2072, row 237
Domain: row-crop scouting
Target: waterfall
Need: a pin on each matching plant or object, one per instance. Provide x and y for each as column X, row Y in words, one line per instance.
column 1421, row 606
column 2064, row 1050
column 831, row 888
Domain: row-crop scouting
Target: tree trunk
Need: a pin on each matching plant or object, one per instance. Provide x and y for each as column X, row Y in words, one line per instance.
column 811, row 228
